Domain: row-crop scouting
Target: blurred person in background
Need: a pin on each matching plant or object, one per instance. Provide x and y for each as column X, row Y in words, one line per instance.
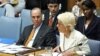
column 13, row 7
column 77, row 9
column 89, row 24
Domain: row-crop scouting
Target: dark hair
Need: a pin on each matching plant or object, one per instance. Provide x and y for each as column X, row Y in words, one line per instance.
column 53, row 1
column 30, row 4
column 89, row 3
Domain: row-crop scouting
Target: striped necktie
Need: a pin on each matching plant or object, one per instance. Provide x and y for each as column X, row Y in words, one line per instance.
column 30, row 37
column 50, row 21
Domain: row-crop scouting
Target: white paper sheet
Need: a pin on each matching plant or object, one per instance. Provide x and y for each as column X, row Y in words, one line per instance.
column 2, row 45
column 13, row 49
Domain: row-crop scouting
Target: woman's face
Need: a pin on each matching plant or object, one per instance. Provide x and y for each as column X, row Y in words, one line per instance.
column 62, row 28
column 87, row 11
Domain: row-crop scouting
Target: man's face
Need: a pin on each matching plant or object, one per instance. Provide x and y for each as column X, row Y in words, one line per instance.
column 36, row 17
column 53, row 8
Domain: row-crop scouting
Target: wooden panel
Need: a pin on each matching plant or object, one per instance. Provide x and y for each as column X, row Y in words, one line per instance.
column 70, row 4
column 4, row 54
column 97, row 2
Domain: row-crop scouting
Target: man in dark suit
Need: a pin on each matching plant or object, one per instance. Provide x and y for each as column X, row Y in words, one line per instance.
column 43, row 35
column 53, row 10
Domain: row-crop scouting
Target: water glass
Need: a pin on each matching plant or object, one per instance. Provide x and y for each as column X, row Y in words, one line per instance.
column 48, row 51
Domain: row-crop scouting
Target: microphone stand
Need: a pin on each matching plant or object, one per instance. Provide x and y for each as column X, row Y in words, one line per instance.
column 70, row 48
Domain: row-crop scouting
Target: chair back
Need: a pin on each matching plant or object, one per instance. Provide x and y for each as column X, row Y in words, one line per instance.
column 2, row 11
column 94, row 47
column 9, row 29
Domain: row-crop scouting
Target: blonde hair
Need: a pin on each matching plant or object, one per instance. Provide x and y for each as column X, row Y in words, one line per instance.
column 67, row 19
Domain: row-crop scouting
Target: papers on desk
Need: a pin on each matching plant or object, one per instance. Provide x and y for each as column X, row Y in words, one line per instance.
column 12, row 49
column 3, row 45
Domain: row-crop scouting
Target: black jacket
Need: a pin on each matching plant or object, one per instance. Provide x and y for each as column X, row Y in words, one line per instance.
column 93, row 30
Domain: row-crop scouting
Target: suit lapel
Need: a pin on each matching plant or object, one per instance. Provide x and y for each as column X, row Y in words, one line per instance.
column 28, row 31
column 40, row 35
column 55, row 20
column 46, row 15
column 91, row 25
column 81, row 25
column 47, row 18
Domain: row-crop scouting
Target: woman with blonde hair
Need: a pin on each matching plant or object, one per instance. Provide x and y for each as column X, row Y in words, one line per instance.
column 72, row 42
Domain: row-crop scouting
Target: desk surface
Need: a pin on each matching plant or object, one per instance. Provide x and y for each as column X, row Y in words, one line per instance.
column 4, row 54
column 35, row 53
column 38, row 52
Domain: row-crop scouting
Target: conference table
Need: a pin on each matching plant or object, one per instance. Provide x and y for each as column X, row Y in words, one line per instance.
column 34, row 53
column 16, row 50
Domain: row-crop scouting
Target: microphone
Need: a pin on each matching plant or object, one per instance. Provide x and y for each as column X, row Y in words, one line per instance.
column 70, row 48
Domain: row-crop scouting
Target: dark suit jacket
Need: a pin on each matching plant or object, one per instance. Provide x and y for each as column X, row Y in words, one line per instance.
column 93, row 30
column 45, row 37
column 46, row 18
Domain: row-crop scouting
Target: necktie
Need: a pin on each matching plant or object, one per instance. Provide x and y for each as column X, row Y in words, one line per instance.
column 50, row 21
column 30, row 37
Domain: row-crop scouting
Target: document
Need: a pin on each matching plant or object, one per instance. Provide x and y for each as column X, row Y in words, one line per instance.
column 13, row 49
column 3, row 45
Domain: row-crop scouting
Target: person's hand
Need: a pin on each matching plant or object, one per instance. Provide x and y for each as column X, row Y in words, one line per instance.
column 57, row 49
column 69, row 53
